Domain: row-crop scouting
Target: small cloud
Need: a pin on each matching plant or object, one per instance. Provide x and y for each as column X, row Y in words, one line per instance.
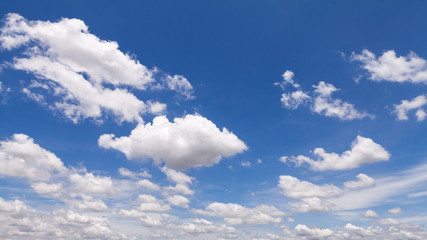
column 395, row 210
column 246, row 164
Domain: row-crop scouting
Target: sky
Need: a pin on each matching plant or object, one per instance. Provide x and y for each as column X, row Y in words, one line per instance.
column 213, row 119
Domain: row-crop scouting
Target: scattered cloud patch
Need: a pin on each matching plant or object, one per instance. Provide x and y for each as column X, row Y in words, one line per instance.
column 401, row 110
column 370, row 214
column 389, row 67
column 192, row 141
column 238, row 215
column 319, row 101
column 395, row 210
column 363, row 181
column 363, row 150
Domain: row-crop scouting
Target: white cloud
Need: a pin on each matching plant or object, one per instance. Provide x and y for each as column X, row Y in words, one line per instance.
column 147, row 184
column 180, row 84
column 88, row 203
column 294, row 188
column 395, row 210
column 85, row 76
column 320, row 100
column 238, row 215
column 389, row 67
column 370, row 214
column 405, row 106
column 363, row 181
column 89, row 183
column 150, row 203
column 388, row 221
column 245, row 164
column 146, row 218
column 20, row 221
column 259, row 161
column 178, row 200
column 293, row 100
column 363, row 150
column 324, row 105
column 192, row 141
column 313, row 204
column 135, row 175
column 312, row 233
column 386, row 188
column 47, row 188
column 21, row 157
column 202, row 226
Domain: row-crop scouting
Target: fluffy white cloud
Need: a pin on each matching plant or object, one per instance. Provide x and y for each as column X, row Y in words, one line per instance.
column 363, row 181
column 389, row 67
column 21, row 157
column 388, row 221
column 370, row 214
column 395, row 210
column 148, row 185
column 294, row 188
column 89, row 183
column 47, row 188
column 135, row 175
column 179, row 84
column 178, row 200
column 87, row 78
column 150, row 203
column 312, row 233
column 87, row 203
column 19, row 221
column 293, row 100
column 405, row 106
column 324, row 104
column 313, row 204
column 320, row 100
column 192, row 141
column 146, row 218
column 238, row 215
column 202, row 226
column 363, row 150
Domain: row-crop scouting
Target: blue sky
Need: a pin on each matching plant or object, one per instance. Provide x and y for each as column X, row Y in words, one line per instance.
column 213, row 120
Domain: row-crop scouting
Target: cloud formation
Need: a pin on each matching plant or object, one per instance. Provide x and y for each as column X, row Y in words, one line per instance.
column 363, row 181
column 363, row 150
column 191, row 141
column 86, row 79
column 401, row 110
column 320, row 100
column 389, row 67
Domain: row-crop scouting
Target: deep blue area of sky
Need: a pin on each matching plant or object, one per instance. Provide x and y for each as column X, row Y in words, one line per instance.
column 232, row 52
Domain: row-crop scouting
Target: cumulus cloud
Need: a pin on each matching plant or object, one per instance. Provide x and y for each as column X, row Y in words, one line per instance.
column 319, row 101
column 192, row 141
column 395, row 210
column 389, row 67
column 313, row 204
column 89, row 183
column 87, row 78
column 238, row 215
column 325, row 105
column 312, row 233
column 388, row 221
column 21, row 157
column 370, row 214
column 20, row 221
column 294, row 188
column 149, row 203
column 401, row 110
column 363, row 150
column 135, row 175
column 149, row 219
column 178, row 200
column 148, row 185
column 363, row 181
